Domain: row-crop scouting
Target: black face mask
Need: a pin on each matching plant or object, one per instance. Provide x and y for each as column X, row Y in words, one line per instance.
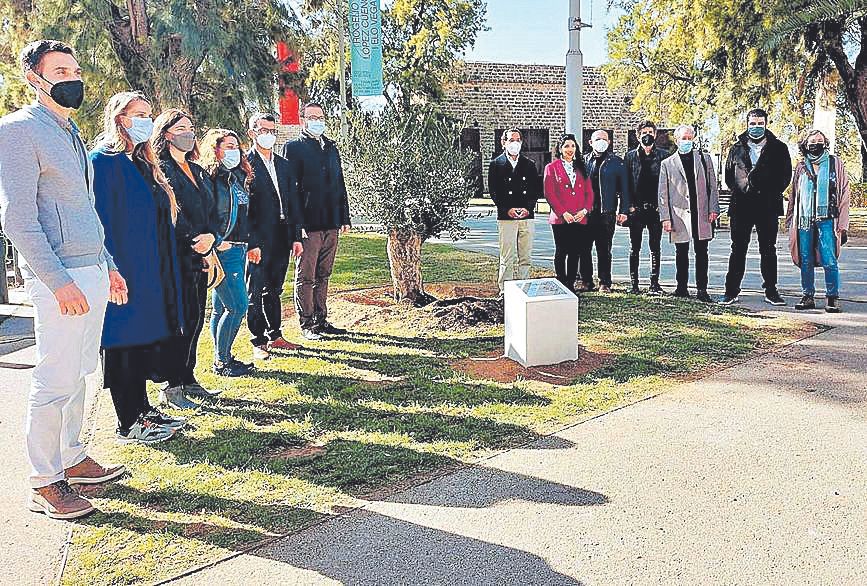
column 647, row 140
column 67, row 94
column 816, row 149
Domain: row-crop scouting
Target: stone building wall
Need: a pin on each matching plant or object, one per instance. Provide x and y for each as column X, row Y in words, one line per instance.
column 501, row 95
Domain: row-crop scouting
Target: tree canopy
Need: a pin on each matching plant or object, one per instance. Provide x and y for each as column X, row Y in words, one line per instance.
column 214, row 58
column 693, row 60
column 422, row 39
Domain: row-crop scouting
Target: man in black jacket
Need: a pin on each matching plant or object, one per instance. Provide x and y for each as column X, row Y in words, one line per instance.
column 274, row 215
column 758, row 170
column 642, row 166
column 514, row 185
column 325, row 215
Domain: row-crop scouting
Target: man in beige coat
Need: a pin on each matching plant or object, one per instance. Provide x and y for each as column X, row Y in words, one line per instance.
column 688, row 208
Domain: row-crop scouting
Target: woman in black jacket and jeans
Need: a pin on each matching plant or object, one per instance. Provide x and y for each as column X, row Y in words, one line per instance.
column 174, row 143
column 232, row 179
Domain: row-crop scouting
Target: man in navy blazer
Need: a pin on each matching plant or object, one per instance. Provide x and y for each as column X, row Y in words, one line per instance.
column 275, row 228
column 514, row 185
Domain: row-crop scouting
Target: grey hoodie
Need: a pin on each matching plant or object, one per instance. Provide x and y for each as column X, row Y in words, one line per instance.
column 46, row 196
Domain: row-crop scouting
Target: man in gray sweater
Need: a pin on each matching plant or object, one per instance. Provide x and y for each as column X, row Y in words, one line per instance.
column 46, row 210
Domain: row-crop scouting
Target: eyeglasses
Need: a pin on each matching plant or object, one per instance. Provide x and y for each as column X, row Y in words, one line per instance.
column 320, row 118
column 266, row 131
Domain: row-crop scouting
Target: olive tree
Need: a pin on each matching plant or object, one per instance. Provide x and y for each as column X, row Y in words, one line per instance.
column 406, row 172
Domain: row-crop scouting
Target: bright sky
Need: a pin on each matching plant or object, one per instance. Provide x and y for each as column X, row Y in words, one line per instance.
column 534, row 31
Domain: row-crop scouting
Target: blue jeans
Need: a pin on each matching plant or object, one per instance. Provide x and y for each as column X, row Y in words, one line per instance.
column 827, row 246
column 230, row 302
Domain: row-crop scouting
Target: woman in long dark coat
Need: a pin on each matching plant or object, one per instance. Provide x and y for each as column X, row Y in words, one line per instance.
column 174, row 144
column 138, row 209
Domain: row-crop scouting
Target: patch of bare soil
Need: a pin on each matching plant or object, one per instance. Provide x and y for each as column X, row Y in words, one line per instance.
column 466, row 312
column 505, row 370
column 297, row 453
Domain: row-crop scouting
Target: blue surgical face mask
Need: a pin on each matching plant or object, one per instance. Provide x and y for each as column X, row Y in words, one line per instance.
column 141, row 130
column 231, row 158
column 684, row 147
column 316, row 127
column 756, row 132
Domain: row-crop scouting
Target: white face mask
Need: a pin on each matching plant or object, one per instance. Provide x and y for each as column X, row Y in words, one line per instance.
column 513, row 148
column 316, row 127
column 266, row 141
column 600, row 145
column 231, row 158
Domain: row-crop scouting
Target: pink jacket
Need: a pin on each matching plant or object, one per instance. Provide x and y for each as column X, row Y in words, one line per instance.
column 562, row 196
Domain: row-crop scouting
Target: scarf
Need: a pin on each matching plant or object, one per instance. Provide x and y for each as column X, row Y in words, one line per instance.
column 813, row 191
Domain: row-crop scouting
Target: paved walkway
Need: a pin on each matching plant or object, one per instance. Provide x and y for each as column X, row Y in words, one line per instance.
column 753, row 475
column 853, row 263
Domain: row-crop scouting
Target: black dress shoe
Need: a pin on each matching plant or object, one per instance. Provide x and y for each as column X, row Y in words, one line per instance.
column 680, row 293
column 329, row 329
column 702, row 296
column 806, row 302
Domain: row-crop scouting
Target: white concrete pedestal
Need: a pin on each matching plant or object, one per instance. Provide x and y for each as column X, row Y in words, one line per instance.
column 541, row 322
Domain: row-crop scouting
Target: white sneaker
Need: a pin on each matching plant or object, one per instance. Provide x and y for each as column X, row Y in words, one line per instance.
column 144, row 431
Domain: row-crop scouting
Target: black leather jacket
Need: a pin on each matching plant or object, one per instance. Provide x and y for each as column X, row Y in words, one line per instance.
column 225, row 202
column 633, row 170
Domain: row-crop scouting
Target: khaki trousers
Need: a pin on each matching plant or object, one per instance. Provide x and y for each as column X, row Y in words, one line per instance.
column 516, row 246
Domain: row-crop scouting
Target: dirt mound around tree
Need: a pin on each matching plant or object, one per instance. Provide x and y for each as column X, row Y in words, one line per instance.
column 466, row 312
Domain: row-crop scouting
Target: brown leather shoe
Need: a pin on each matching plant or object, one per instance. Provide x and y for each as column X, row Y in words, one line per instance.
column 282, row 344
column 89, row 472
column 59, row 501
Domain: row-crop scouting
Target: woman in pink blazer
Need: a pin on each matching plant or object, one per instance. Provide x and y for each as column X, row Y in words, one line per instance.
column 570, row 194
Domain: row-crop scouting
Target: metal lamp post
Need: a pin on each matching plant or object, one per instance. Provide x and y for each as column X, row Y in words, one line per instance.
column 575, row 72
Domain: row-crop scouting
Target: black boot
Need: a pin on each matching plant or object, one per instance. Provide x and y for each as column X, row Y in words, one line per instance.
column 806, row 302
column 633, row 274
column 655, row 289
column 832, row 306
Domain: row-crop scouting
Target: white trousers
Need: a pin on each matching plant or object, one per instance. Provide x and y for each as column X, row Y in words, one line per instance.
column 67, row 350
column 516, row 246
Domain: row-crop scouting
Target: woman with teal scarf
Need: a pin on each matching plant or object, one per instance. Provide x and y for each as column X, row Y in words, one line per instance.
column 818, row 219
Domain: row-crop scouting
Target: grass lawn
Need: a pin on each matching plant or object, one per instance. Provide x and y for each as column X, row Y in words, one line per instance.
column 315, row 430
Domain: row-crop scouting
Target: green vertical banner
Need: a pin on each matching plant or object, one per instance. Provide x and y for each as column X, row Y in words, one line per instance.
column 365, row 41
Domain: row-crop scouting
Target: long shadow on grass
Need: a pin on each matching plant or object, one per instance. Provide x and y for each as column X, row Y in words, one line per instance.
column 417, row 388
column 268, row 518
column 341, row 416
column 440, row 346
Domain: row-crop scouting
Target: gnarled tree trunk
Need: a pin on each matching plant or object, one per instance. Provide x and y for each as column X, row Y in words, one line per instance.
column 404, row 258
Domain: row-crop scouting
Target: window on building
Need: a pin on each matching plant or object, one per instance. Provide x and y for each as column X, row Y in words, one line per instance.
column 471, row 140
column 537, row 145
